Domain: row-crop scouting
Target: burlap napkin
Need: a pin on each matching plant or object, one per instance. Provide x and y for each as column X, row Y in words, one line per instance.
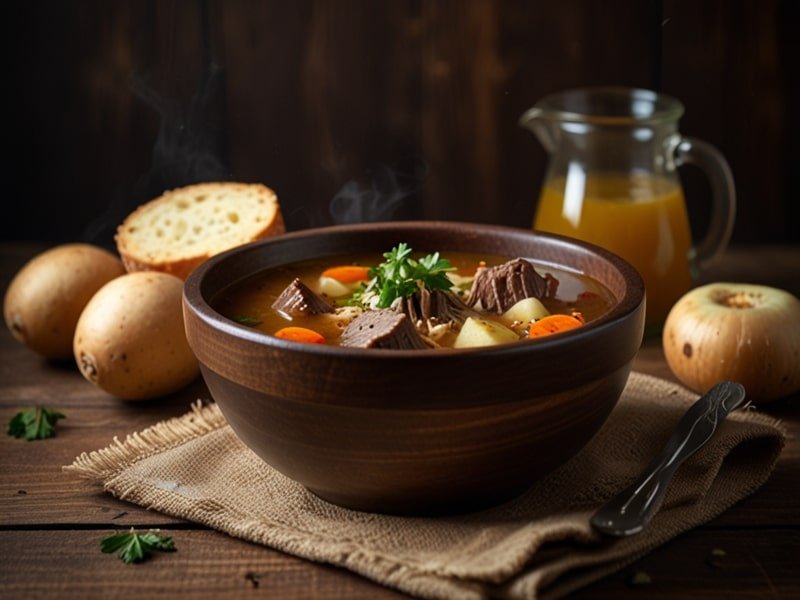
column 539, row 544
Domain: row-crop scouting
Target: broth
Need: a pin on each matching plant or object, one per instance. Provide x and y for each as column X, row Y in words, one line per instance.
column 641, row 218
column 250, row 302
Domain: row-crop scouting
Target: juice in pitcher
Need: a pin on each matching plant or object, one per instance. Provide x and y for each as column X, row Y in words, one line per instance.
column 641, row 217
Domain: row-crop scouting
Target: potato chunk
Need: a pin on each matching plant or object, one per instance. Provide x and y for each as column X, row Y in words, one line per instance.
column 330, row 287
column 526, row 311
column 478, row 332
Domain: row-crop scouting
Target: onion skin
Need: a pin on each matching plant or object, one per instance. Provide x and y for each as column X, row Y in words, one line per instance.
column 742, row 332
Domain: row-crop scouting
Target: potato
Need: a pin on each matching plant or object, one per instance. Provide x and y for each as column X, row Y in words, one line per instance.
column 45, row 299
column 332, row 288
column 130, row 339
column 525, row 311
column 477, row 332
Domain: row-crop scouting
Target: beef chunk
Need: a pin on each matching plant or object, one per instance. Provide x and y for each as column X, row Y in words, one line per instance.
column 382, row 329
column 297, row 300
column 437, row 306
column 499, row 288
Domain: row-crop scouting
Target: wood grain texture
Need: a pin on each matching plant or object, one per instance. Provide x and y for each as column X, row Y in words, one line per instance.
column 755, row 565
column 206, row 564
column 34, row 489
column 731, row 64
column 115, row 102
column 49, row 536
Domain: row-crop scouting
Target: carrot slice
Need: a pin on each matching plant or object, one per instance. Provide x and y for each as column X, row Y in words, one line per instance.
column 347, row 273
column 300, row 334
column 553, row 324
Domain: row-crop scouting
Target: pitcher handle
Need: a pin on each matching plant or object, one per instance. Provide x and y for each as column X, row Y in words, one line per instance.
column 723, row 192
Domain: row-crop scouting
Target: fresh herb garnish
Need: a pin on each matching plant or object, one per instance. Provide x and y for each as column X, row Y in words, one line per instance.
column 37, row 423
column 401, row 276
column 246, row 320
column 135, row 547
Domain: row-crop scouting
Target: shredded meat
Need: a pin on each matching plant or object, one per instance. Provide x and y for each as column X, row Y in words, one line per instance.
column 298, row 300
column 428, row 309
column 499, row 288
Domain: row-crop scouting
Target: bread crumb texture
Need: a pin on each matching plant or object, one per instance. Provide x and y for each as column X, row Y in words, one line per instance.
column 183, row 227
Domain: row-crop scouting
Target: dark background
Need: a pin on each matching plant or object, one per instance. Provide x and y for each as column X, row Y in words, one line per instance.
column 410, row 103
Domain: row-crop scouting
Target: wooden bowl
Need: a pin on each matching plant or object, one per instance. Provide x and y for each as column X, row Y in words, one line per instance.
column 415, row 431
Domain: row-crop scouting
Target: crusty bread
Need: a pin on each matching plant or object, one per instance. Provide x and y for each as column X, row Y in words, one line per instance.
column 180, row 229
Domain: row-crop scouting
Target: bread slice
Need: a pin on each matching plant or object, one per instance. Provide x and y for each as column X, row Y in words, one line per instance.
column 180, row 229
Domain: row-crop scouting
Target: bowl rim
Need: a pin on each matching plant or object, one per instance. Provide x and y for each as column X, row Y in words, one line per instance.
column 194, row 300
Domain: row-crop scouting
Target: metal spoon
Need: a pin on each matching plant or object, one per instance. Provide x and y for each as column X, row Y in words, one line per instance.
column 631, row 510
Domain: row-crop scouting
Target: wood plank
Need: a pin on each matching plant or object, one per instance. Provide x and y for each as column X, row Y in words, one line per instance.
column 757, row 564
column 81, row 138
column 208, row 564
column 485, row 63
column 35, row 490
column 341, row 88
column 319, row 90
column 731, row 64
column 26, row 378
column 333, row 87
column 773, row 265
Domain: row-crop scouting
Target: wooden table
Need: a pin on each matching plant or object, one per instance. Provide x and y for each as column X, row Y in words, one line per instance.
column 51, row 523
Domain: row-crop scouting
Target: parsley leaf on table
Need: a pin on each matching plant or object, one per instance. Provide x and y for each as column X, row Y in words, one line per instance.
column 135, row 547
column 37, row 423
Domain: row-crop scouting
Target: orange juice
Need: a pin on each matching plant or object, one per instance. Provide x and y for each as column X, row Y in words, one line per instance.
column 640, row 217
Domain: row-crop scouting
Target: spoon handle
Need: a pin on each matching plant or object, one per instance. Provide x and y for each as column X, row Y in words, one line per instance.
column 631, row 510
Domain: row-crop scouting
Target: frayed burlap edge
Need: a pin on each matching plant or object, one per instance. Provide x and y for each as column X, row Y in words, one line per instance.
column 101, row 465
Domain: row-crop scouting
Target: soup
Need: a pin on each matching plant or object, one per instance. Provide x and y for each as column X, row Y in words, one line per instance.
column 427, row 301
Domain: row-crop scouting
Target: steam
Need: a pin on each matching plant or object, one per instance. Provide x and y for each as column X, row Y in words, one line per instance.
column 189, row 148
column 388, row 193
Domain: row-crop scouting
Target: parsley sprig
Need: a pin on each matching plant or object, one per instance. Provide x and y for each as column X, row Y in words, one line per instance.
column 135, row 547
column 37, row 423
column 401, row 276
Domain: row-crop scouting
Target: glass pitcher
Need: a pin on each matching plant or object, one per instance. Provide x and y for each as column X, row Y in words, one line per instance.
column 612, row 180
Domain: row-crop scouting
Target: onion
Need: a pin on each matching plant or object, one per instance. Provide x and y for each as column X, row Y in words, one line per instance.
column 746, row 333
